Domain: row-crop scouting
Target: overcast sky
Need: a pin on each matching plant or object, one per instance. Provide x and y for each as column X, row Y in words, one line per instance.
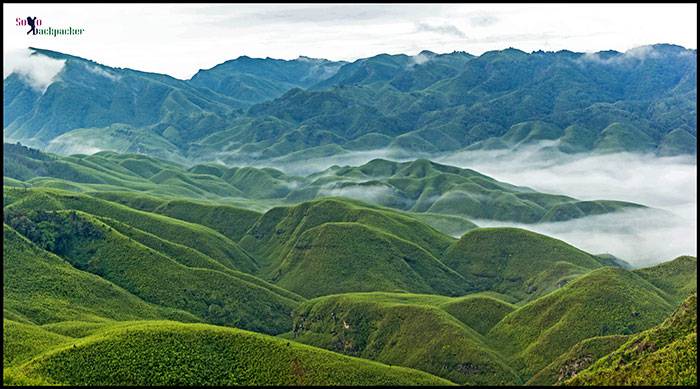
column 180, row 39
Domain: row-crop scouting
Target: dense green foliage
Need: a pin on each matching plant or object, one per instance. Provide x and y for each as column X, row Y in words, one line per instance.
column 606, row 301
column 403, row 329
column 663, row 355
column 169, row 353
column 99, row 250
column 578, row 358
column 516, row 262
column 39, row 287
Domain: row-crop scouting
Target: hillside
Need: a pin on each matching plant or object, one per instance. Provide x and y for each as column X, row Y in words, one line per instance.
column 663, row 355
column 133, row 354
column 402, row 329
column 606, row 301
column 351, row 257
column 274, row 234
column 40, row 287
column 516, row 262
column 212, row 295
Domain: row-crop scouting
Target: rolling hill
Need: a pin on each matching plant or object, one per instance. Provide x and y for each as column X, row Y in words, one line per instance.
column 404, row 329
column 663, row 355
column 196, row 354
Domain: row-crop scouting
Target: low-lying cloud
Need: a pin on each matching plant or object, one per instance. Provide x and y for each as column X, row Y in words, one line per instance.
column 37, row 70
column 373, row 194
column 641, row 237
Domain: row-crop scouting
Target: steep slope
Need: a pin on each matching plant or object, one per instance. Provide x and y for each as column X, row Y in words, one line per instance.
column 663, row 355
column 642, row 100
column 274, row 235
column 39, row 287
column 606, row 301
column 351, row 257
column 516, row 262
column 200, row 238
column 678, row 278
column 230, row 221
column 214, row 296
column 403, row 329
column 85, row 94
column 202, row 355
column 253, row 80
column 579, row 357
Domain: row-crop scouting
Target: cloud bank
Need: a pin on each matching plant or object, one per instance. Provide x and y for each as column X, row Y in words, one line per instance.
column 35, row 69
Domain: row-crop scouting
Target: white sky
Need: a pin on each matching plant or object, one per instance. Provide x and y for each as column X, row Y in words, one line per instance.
column 179, row 39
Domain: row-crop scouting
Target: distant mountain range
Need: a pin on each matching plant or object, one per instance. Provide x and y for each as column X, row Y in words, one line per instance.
column 248, row 109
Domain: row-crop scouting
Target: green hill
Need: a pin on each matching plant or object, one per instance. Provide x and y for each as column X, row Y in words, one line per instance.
column 403, row 329
column 214, row 296
column 39, row 287
column 169, row 353
column 516, row 262
column 423, row 186
column 678, row 278
column 663, row 355
column 203, row 239
column 441, row 195
column 351, row 257
column 578, row 358
column 273, row 236
column 230, row 221
column 606, row 301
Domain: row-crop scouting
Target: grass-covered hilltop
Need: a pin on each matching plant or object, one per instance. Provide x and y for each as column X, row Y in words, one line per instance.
column 317, row 222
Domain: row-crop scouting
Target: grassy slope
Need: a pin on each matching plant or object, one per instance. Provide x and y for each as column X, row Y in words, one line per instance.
column 678, row 278
column 40, row 287
column 578, row 358
column 663, row 355
column 192, row 258
column 606, row 301
column 215, row 296
column 516, row 262
column 203, row 239
column 22, row 341
column 232, row 222
column 405, row 329
column 169, row 353
column 351, row 257
column 480, row 311
column 273, row 236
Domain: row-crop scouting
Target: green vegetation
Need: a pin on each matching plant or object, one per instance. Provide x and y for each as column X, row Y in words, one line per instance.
column 516, row 262
column 663, row 355
column 273, row 236
column 578, row 358
column 678, row 278
column 39, row 287
column 443, row 196
column 351, row 257
column 403, row 329
column 215, row 296
column 606, row 301
column 169, row 353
